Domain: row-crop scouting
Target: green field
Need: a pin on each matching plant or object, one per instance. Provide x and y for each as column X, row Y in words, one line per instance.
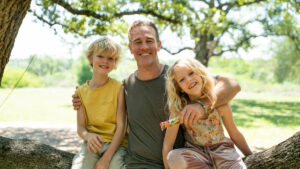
column 265, row 119
column 49, row 105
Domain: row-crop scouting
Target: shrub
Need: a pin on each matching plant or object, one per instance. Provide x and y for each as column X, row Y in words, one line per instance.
column 12, row 75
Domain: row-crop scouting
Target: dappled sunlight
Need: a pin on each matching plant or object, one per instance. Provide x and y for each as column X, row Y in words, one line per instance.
column 283, row 114
column 61, row 138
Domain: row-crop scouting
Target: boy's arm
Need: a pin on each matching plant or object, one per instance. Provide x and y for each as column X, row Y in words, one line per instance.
column 121, row 123
column 235, row 135
column 169, row 141
column 93, row 140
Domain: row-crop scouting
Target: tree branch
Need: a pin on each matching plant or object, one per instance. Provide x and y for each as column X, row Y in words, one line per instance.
column 180, row 50
column 207, row 3
column 93, row 14
column 149, row 12
column 72, row 10
column 53, row 23
column 236, row 47
column 230, row 5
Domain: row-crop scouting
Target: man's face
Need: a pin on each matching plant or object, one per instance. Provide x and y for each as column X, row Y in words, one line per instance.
column 144, row 46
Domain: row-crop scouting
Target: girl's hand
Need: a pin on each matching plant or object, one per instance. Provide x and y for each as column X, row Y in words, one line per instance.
column 102, row 163
column 94, row 142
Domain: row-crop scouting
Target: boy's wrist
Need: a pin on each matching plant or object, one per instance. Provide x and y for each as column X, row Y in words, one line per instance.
column 107, row 156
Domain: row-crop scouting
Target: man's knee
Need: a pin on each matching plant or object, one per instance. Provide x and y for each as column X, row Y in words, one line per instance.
column 176, row 160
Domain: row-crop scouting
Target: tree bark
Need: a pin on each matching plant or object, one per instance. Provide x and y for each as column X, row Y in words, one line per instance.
column 12, row 13
column 204, row 48
column 26, row 154
column 285, row 155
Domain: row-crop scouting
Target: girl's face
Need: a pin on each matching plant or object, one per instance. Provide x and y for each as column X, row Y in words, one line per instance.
column 189, row 82
column 103, row 63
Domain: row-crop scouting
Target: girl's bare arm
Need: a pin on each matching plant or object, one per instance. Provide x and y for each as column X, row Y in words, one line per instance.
column 235, row 135
column 169, row 141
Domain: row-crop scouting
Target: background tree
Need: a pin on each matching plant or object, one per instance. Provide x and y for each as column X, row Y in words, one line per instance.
column 46, row 65
column 12, row 13
column 211, row 24
column 287, row 61
column 83, row 70
column 215, row 26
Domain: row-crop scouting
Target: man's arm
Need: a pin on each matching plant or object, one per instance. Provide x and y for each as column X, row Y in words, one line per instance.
column 225, row 90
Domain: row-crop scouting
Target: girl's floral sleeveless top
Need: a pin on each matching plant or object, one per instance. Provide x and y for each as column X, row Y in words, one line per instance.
column 206, row 132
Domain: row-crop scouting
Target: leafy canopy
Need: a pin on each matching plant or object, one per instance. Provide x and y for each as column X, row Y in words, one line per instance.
column 215, row 26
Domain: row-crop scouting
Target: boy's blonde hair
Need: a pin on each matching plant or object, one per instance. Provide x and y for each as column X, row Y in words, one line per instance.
column 176, row 98
column 104, row 45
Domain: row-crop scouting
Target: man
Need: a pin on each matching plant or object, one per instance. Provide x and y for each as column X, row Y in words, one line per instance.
column 145, row 97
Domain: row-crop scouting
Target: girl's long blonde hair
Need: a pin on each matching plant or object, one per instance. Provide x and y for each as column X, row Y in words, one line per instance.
column 176, row 98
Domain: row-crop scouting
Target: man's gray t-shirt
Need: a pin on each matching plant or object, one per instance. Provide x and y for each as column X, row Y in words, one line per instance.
column 146, row 103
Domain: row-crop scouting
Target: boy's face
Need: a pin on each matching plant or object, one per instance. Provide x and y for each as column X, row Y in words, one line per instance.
column 144, row 45
column 103, row 63
column 189, row 82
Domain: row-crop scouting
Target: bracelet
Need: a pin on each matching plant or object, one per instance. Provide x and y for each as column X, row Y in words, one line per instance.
column 202, row 105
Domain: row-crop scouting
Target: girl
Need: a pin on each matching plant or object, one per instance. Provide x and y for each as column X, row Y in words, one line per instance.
column 206, row 146
column 101, row 118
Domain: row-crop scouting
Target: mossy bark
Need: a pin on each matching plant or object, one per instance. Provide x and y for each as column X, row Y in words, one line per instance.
column 27, row 154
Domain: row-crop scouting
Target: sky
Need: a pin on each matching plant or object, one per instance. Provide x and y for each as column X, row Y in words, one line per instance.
column 36, row 38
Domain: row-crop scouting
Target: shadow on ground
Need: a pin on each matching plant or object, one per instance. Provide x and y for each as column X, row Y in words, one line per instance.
column 61, row 138
column 281, row 114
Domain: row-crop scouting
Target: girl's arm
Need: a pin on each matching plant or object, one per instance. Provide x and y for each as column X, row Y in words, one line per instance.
column 235, row 135
column 93, row 140
column 169, row 141
column 121, row 124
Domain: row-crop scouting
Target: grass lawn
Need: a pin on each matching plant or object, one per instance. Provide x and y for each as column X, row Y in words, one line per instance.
column 265, row 119
column 43, row 105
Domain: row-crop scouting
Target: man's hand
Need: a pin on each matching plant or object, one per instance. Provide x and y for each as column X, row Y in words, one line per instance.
column 76, row 101
column 94, row 142
column 190, row 114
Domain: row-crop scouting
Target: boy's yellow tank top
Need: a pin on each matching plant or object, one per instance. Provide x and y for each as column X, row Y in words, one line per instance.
column 100, row 106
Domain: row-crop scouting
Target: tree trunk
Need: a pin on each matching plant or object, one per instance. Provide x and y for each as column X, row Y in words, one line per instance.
column 12, row 13
column 26, row 154
column 284, row 155
column 204, row 48
column 201, row 51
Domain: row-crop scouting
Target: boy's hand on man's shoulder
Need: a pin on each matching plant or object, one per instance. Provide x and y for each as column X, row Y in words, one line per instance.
column 76, row 101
